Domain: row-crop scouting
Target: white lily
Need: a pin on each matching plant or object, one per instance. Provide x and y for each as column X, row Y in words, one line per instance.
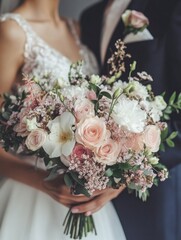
column 61, row 140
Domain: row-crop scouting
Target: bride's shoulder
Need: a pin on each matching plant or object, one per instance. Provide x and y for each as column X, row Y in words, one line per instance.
column 10, row 32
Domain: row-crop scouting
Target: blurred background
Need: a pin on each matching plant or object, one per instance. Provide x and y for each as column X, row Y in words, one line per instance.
column 68, row 8
column 73, row 9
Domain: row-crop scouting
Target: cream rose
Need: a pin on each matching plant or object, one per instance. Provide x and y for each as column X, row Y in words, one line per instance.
column 151, row 138
column 91, row 132
column 83, row 108
column 108, row 152
column 135, row 19
column 36, row 139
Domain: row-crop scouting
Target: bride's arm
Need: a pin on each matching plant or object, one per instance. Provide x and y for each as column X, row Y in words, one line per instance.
column 12, row 40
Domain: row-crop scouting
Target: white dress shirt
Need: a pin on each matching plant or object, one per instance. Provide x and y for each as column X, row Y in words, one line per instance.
column 111, row 19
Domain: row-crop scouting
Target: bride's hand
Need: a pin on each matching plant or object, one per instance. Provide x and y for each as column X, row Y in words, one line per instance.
column 61, row 193
column 99, row 199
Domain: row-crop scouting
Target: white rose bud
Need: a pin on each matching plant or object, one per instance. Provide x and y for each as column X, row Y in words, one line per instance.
column 36, row 139
column 31, row 124
column 95, row 79
column 154, row 160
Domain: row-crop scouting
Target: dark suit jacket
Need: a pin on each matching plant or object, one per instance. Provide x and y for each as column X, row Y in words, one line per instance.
column 160, row 217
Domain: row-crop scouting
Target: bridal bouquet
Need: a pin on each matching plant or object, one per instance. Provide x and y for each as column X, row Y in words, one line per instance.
column 96, row 131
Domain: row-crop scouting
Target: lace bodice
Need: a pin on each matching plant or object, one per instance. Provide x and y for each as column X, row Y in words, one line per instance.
column 41, row 59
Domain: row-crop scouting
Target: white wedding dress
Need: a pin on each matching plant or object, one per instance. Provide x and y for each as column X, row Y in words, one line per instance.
column 28, row 214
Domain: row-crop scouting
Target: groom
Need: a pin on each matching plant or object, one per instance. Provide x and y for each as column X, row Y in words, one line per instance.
column 157, row 51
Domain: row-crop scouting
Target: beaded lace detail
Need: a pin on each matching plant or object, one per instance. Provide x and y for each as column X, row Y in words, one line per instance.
column 41, row 59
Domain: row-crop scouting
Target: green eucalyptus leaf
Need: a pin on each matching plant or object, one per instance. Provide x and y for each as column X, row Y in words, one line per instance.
column 172, row 98
column 68, row 180
column 95, row 88
column 173, row 135
column 170, row 143
column 106, row 94
column 162, row 147
column 109, row 172
column 164, row 134
column 166, row 116
column 6, row 115
column 159, row 166
column 79, row 189
column 80, row 181
column 125, row 166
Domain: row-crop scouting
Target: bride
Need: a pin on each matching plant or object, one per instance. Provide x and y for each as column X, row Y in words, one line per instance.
column 35, row 40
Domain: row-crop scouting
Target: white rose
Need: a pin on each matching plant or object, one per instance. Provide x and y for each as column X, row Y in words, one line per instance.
column 156, row 108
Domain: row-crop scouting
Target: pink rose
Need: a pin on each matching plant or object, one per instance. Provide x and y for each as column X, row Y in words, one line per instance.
column 91, row 132
column 21, row 129
column 91, row 95
column 135, row 142
column 36, row 139
column 151, row 138
column 108, row 152
column 80, row 151
column 83, row 108
column 137, row 19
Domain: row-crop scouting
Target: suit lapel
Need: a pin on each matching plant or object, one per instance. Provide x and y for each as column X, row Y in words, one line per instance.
column 138, row 5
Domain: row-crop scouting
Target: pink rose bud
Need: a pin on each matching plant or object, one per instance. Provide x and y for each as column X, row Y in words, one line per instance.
column 80, row 151
column 91, row 95
column 137, row 20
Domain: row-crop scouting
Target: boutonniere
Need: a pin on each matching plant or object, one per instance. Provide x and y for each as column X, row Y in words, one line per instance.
column 134, row 22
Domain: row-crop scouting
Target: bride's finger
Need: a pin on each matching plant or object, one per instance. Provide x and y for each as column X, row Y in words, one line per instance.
column 97, row 202
column 73, row 199
column 90, row 206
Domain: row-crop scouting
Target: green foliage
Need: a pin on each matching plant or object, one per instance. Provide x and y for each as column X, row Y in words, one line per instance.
column 76, row 178
column 68, row 180
column 174, row 105
column 167, row 139
column 79, row 189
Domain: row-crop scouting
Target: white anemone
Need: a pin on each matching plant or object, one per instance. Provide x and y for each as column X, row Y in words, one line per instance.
column 61, row 140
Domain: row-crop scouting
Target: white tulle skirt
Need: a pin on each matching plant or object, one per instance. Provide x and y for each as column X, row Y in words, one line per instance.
column 28, row 214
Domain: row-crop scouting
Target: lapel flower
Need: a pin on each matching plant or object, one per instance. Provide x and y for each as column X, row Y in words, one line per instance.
column 134, row 21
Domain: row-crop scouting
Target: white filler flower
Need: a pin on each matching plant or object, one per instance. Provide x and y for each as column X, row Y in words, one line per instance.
column 61, row 140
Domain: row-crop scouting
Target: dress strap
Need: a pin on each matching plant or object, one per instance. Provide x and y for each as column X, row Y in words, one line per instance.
column 30, row 36
column 74, row 32
column 17, row 18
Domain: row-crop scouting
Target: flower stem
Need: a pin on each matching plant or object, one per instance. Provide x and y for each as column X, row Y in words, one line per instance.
column 77, row 225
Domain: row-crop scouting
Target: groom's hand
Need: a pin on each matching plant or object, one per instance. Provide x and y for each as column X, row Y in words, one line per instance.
column 100, row 198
